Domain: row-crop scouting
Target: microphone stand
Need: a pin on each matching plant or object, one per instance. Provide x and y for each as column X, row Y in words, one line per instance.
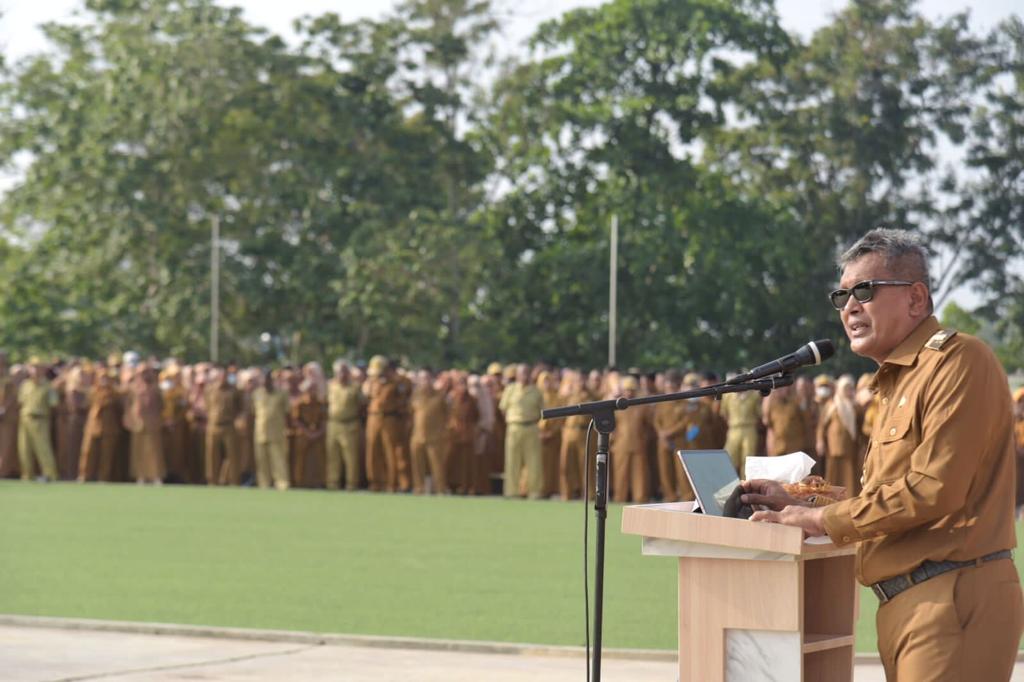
column 603, row 414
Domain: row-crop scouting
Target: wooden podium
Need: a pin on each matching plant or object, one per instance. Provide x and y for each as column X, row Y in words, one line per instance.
column 756, row 603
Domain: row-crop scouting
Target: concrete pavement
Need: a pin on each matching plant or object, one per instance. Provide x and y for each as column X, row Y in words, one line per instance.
column 34, row 653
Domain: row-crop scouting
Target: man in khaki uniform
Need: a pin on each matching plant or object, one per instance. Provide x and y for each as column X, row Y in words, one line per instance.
column 36, row 399
column 934, row 522
column 572, row 456
column 104, row 429
column 670, row 423
column 629, row 449
column 270, row 407
column 385, row 427
column 345, row 404
column 223, row 405
column 786, row 422
column 550, row 432
column 521, row 403
column 742, row 413
column 429, row 441
column 8, row 421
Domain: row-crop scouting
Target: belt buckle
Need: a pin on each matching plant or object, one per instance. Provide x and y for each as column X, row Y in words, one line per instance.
column 880, row 593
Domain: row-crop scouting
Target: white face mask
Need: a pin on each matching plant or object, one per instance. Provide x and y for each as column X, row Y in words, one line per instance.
column 166, row 385
column 823, row 391
column 232, row 380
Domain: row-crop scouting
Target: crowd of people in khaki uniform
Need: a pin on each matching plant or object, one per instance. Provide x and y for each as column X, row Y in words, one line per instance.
column 385, row 428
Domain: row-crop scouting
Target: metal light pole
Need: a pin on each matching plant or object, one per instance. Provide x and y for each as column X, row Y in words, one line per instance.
column 214, row 288
column 613, row 280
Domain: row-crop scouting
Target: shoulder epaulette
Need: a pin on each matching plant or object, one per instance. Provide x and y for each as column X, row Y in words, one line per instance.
column 940, row 338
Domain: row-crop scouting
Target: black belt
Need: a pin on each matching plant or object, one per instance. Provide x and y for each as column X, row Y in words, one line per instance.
column 523, row 423
column 887, row 589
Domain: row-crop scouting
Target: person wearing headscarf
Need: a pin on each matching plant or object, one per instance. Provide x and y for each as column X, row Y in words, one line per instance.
column 839, row 437
column 144, row 420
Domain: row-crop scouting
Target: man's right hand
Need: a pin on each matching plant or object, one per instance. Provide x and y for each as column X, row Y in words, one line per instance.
column 766, row 494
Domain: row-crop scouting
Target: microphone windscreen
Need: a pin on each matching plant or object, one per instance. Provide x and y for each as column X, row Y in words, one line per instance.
column 825, row 349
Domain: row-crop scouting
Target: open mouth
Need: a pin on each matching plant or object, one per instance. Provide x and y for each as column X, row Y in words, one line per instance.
column 857, row 329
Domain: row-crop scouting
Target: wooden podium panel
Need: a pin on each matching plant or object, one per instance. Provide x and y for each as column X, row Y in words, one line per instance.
column 756, row 602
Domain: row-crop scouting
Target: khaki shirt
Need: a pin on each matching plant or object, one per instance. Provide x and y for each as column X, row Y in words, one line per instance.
column 388, row 397
column 270, row 410
column 741, row 409
column 521, row 404
column 633, row 429
column 36, row 399
column 550, row 428
column 939, row 471
column 222, row 406
column 344, row 402
column 788, row 425
column 429, row 415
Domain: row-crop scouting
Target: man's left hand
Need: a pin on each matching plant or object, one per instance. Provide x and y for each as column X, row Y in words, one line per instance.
column 811, row 519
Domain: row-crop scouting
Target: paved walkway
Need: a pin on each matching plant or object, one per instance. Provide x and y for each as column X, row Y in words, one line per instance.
column 42, row 653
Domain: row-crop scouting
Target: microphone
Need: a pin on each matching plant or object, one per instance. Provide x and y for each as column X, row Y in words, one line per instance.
column 813, row 353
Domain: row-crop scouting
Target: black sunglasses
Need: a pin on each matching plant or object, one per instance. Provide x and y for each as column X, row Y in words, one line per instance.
column 863, row 291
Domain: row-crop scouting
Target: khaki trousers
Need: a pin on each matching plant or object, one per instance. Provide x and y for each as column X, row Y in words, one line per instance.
column 571, row 462
column 675, row 486
column 740, row 443
column 343, row 454
column 147, row 455
column 222, row 455
column 522, row 449
column 961, row 626
column 386, row 453
column 272, row 462
column 430, row 455
column 98, row 455
column 629, row 474
column 34, row 446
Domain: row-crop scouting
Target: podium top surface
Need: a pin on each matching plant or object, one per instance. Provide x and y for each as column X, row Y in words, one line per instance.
column 676, row 521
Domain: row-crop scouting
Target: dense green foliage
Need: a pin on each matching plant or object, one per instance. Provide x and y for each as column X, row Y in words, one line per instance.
column 384, row 186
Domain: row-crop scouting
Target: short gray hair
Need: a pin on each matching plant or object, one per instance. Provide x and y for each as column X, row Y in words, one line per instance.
column 903, row 251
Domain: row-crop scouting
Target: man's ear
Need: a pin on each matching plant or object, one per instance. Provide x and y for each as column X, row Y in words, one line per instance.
column 920, row 300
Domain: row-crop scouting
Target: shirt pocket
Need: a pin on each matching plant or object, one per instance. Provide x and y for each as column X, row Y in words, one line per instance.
column 894, row 442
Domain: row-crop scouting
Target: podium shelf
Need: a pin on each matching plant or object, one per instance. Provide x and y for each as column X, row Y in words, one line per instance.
column 820, row 642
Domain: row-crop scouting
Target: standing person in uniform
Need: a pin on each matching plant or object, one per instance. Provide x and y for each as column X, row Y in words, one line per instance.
column 223, row 405
column 144, row 421
column 76, row 406
column 670, row 422
column 572, row 456
column 270, row 433
column 786, row 422
column 629, row 448
column 8, row 421
column 36, row 399
column 742, row 413
column 839, row 438
column 103, row 430
column 309, row 419
column 934, row 523
column 521, row 403
column 550, row 432
column 175, row 399
column 385, row 425
column 429, row 443
column 345, row 406
column 463, row 420
column 477, row 389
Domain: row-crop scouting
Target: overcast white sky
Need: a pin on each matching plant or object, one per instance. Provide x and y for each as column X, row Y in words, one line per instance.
column 19, row 34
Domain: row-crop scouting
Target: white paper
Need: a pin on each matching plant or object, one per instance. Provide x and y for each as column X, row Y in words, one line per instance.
column 791, row 468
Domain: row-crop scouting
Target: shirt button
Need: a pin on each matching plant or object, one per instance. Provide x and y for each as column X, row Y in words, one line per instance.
column 846, row 538
column 892, row 431
column 885, row 401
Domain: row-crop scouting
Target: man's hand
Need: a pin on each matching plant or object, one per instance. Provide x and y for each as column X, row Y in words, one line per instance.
column 810, row 519
column 764, row 493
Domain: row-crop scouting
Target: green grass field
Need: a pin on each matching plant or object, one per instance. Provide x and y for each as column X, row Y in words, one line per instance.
column 451, row 568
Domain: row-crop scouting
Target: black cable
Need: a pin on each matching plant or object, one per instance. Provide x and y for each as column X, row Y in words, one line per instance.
column 586, row 544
